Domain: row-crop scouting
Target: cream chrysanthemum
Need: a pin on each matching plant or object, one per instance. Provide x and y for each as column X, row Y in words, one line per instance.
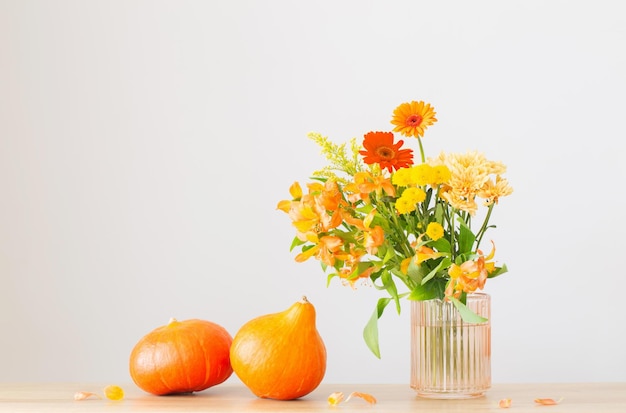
column 470, row 175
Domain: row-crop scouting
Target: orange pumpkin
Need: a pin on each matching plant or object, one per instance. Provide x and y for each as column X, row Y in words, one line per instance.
column 280, row 356
column 181, row 357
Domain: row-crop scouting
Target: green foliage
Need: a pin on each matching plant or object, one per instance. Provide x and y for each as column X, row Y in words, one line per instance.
column 405, row 229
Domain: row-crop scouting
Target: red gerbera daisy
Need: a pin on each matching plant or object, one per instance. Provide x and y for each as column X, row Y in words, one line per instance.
column 380, row 149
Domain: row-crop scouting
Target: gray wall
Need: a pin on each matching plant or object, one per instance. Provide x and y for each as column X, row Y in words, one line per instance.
column 144, row 146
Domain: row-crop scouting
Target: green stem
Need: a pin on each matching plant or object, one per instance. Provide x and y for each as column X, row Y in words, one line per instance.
column 400, row 237
column 483, row 228
column 451, row 217
column 419, row 141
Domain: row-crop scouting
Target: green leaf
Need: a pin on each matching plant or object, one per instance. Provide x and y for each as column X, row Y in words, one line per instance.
column 370, row 332
column 391, row 288
column 433, row 289
column 466, row 314
column 466, row 238
column 389, row 254
column 415, row 271
column 439, row 212
column 444, row 263
column 296, row 241
column 365, row 208
column 442, row 245
column 360, row 269
column 498, row 271
column 330, row 277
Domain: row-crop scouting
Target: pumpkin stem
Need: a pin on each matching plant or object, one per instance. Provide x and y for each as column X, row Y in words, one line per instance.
column 172, row 321
column 304, row 300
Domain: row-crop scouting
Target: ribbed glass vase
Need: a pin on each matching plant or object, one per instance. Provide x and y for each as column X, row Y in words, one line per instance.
column 450, row 359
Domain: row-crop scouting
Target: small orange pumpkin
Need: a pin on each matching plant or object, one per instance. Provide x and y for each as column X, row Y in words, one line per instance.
column 280, row 356
column 181, row 357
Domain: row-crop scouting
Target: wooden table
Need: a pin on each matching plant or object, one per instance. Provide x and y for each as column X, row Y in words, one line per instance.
column 59, row 397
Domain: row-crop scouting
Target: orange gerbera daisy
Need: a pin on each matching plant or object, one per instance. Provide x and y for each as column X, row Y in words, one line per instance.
column 380, row 149
column 412, row 119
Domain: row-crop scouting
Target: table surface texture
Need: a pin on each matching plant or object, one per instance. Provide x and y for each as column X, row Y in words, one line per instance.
column 59, row 397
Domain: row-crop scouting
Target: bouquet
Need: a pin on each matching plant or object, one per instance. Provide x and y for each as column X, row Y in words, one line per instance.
column 373, row 214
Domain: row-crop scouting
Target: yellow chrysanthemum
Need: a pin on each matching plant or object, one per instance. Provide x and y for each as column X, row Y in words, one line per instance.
column 434, row 230
column 422, row 174
column 402, row 177
column 414, row 195
column 441, row 175
column 412, row 119
column 404, row 205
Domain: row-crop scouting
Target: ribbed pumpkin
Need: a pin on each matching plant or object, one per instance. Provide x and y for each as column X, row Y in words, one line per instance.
column 181, row 357
column 280, row 356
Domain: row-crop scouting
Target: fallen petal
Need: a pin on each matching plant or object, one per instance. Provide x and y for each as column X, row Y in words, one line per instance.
column 505, row 403
column 335, row 398
column 114, row 392
column 82, row 395
column 365, row 396
column 547, row 402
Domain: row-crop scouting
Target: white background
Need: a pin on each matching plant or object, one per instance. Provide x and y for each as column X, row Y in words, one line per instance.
column 144, row 146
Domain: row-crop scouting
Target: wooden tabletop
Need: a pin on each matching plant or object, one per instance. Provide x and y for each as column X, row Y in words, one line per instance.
column 59, row 397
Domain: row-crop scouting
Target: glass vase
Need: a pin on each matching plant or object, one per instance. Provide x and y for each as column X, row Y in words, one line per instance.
column 450, row 359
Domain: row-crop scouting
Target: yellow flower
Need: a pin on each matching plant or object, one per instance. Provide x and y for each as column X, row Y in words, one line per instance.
column 414, row 195
column 411, row 119
column 409, row 199
column 402, row 177
column 441, row 175
column 434, row 230
column 421, row 174
column 404, row 205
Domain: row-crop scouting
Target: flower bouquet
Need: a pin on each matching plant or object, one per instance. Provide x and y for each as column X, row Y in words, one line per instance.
column 374, row 215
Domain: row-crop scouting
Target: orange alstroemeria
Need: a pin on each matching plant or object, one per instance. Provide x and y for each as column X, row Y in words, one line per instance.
column 349, row 273
column 325, row 250
column 304, row 218
column 373, row 238
column 329, row 203
column 316, row 212
column 470, row 275
column 296, row 193
column 424, row 253
column 365, row 183
column 328, row 194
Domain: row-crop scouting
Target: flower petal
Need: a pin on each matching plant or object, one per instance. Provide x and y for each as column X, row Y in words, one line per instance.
column 365, row 396
column 114, row 392
column 335, row 398
column 83, row 395
column 505, row 403
column 295, row 190
column 547, row 402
